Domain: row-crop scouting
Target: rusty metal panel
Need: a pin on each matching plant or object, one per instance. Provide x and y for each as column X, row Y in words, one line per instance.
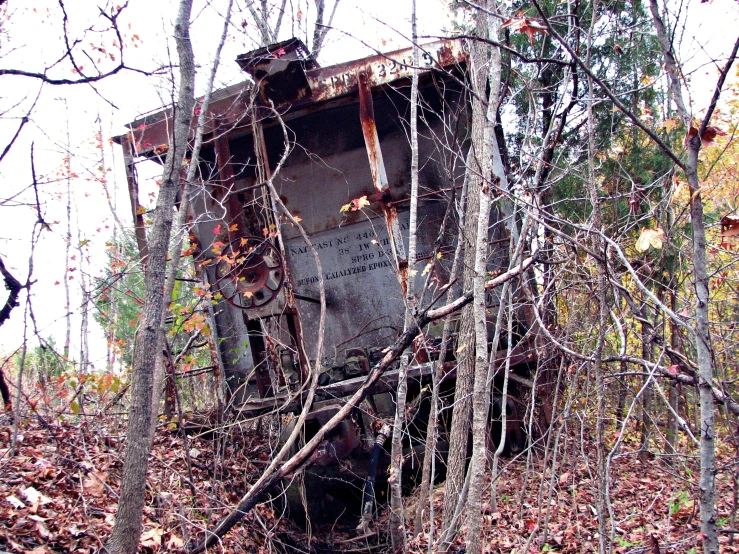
column 365, row 298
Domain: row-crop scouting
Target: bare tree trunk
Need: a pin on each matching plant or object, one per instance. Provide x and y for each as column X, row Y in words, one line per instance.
column 397, row 519
column 321, row 29
column 35, row 234
column 84, row 360
column 127, row 529
column 459, row 433
column 486, row 61
column 704, row 358
column 673, row 396
column 646, row 399
column 480, row 400
column 602, row 474
column 700, row 271
column 503, row 406
column 262, row 22
column 68, row 171
column 432, row 432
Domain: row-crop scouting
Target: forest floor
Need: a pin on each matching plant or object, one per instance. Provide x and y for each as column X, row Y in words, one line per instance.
column 58, row 494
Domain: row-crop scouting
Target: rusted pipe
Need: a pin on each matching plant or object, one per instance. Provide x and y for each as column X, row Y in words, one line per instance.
column 368, row 499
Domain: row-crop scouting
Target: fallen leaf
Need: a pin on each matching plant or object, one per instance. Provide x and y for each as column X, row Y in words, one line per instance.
column 175, row 542
column 15, row 501
column 94, row 484
column 34, row 496
column 152, row 537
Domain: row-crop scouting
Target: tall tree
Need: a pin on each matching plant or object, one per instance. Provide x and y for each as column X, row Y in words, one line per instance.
column 127, row 529
column 703, row 347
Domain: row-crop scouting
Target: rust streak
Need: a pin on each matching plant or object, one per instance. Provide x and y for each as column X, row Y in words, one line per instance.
column 379, row 176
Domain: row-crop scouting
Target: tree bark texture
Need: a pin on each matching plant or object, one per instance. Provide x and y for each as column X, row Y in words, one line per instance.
column 459, row 433
column 485, row 62
column 127, row 528
column 701, row 328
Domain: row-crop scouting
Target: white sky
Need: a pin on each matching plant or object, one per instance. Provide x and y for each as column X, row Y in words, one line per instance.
column 30, row 39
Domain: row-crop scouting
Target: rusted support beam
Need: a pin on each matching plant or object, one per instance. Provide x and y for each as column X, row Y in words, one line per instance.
column 379, row 177
column 291, row 310
column 127, row 146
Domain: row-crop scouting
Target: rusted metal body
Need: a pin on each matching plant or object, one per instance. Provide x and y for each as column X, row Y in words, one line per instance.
column 326, row 137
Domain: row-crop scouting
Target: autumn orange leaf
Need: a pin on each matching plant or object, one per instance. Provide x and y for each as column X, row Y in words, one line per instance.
column 217, row 247
column 355, row 205
column 526, row 25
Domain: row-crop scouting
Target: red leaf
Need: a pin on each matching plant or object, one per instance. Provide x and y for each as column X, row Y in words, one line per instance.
column 707, row 137
column 217, row 229
column 729, row 226
column 526, row 25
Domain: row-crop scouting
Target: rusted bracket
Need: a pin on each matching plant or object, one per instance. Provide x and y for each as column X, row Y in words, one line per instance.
column 379, row 177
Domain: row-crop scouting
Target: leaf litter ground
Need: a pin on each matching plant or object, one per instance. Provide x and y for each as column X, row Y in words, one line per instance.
column 59, row 494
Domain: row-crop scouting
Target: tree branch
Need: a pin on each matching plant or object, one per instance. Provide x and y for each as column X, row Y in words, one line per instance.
column 621, row 106
column 302, row 457
column 14, row 288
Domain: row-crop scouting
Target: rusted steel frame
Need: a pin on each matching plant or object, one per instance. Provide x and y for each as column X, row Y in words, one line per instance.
column 133, row 194
column 151, row 131
column 333, row 392
column 379, row 177
column 331, row 82
column 233, row 208
column 291, row 310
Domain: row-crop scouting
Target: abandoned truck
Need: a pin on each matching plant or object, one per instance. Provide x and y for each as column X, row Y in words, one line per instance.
column 334, row 143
